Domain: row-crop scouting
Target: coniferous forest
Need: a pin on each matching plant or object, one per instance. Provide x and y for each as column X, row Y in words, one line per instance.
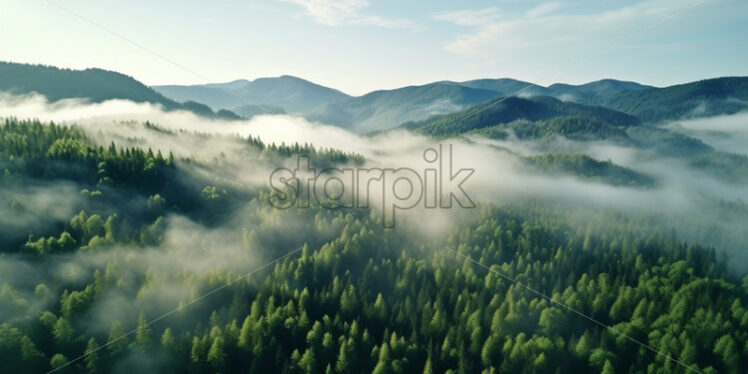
column 122, row 255
column 375, row 187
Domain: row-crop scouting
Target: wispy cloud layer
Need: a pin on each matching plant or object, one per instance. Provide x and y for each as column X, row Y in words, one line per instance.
column 347, row 13
column 543, row 25
column 544, row 9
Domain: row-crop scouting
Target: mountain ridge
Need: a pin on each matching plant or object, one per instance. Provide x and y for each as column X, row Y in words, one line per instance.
column 289, row 92
column 93, row 84
column 380, row 109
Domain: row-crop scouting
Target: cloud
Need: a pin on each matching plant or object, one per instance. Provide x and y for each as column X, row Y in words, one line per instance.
column 544, row 9
column 347, row 13
column 726, row 133
column 541, row 27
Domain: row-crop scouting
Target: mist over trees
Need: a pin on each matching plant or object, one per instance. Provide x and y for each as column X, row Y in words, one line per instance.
column 145, row 231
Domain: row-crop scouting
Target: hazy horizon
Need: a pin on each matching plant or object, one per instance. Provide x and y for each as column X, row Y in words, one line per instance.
column 360, row 46
column 706, row 77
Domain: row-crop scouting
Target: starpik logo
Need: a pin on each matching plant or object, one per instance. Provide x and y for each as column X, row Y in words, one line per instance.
column 436, row 186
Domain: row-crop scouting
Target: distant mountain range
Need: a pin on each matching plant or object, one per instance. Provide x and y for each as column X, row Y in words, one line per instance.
column 425, row 108
column 383, row 109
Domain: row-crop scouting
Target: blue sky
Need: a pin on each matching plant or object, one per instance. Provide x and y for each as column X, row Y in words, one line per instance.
column 362, row 45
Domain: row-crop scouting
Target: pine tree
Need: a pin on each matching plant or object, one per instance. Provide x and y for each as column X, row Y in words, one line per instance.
column 246, row 333
column 490, row 351
column 383, row 364
column 607, row 368
column 197, row 350
column 348, row 300
column 167, row 340
column 427, row 367
column 117, row 341
column 58, row 362
column 308, row 361
column 216, row 354
column 343, row 364
column 92, row 356
column 143, row 333
column 62, row 331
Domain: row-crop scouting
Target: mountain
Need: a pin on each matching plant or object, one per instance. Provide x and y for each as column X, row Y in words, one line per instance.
column 95, row 85
column 509, row 109
column 507, row 86
column 704, row 98
column 293, row 94
column 579, row 128
column 718, row 96
column 593, row 92
column 380, row 110
column 384, row 109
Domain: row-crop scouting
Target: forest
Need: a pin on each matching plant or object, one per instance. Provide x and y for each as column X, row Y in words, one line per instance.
column 106, row 278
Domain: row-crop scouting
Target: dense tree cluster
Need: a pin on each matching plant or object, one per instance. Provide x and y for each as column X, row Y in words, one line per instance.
column 505, row 110
column 360, row 298
column 571, row 127
column 704, row 98
column 94, row 85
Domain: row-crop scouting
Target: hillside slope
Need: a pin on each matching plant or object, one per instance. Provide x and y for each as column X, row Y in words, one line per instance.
column 704, row 98
column 507, row 110
column 380, row 110
column 95, row 85
column 293, row 94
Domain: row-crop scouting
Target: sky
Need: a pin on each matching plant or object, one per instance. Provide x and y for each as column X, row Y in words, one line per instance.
column 362, row 45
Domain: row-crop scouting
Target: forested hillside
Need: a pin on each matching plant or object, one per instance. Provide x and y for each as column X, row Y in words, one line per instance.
column 94, row 85
column 357, row 298
column 508, row 109
column 704, row 98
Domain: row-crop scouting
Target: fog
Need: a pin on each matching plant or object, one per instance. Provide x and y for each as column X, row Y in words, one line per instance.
column 499, row 177
column 191, row 250
column 725, row 133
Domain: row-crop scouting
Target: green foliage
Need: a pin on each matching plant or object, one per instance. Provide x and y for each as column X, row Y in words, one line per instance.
column 95, row 85
column 361, row 298
column 503, row 111
column 143, row 333
column 18, row 352
column 396, row 308
column 697, row 99
column 571, row 127
column 59, row 361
